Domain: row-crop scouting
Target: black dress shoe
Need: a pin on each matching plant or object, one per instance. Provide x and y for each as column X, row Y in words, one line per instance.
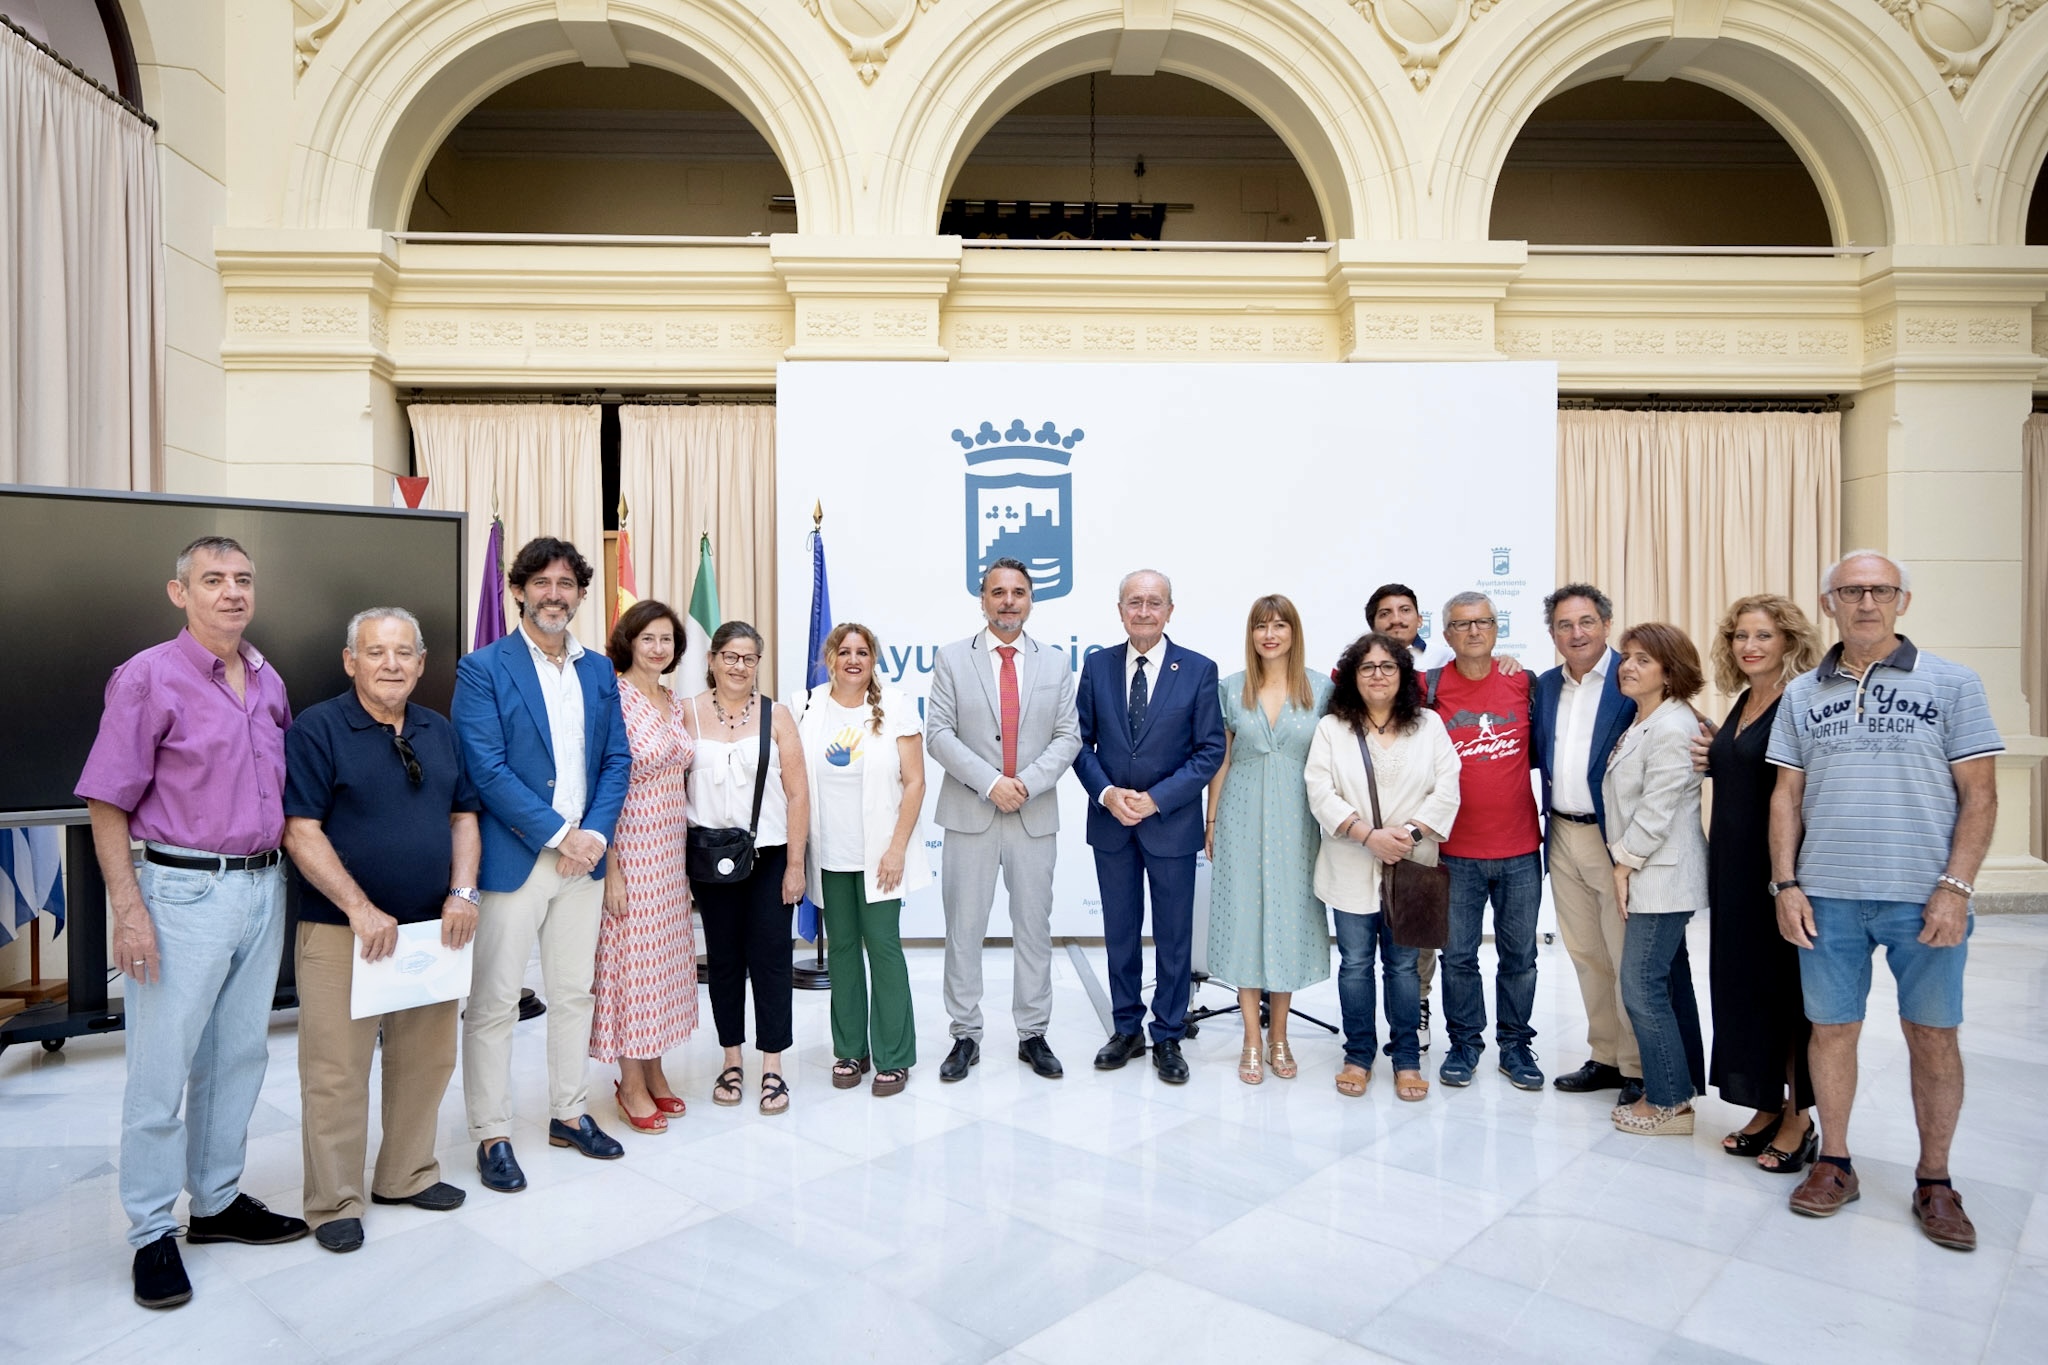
column 1120, row 1048
column 340, row 1234
column 438, row 1197
column 498, row 1167
column 160, row 1280
column 245, row 1220
column 1167, row 1061
column 1631, row 1089
column 1035, row 1051
column 531, row 1006
column 586, row 1137
column 966, row 1052
column 1588, row 1078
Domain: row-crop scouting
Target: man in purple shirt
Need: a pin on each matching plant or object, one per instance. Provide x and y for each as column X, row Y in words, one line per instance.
column 190, row 760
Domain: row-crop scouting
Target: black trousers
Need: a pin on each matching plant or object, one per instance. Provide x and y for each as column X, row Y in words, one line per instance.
column 747, row 934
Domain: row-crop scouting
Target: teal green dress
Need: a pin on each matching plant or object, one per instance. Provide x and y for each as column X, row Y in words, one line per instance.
column 1266, row 927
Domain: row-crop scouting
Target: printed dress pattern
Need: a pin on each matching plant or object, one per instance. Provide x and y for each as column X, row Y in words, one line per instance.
column 646, row 984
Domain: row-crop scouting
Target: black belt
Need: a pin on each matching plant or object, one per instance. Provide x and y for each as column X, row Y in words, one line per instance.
column 1575, row 819
column 214, row 862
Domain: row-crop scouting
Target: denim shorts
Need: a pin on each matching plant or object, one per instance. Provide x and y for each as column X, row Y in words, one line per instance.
column 1834, row 974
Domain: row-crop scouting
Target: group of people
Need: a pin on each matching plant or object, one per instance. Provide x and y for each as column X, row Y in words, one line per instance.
column 577, row 804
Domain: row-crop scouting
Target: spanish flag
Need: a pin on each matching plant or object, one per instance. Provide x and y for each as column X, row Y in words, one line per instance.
column 629, row 589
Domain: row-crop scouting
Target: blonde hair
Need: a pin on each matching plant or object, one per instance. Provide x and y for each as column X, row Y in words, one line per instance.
column 1802, row 643
column 831, row 650
column 1268, row 608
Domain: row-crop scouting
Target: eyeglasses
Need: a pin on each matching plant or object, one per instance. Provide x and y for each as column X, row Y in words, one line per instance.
column 413, row 772
column 1882, row 593
column 1476, row 624
column 1382, row 668
column 731, row 660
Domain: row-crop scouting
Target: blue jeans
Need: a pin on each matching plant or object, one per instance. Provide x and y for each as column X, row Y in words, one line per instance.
column 201, row 1034
column 1358, row 936
column 1515, row 886
column 1656, row 989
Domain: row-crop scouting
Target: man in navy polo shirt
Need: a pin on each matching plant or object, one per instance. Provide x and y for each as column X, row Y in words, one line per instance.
column 380, row 820
column 1883, row 811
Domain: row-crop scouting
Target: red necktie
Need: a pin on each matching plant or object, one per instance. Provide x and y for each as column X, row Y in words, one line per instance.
column 1012, row 707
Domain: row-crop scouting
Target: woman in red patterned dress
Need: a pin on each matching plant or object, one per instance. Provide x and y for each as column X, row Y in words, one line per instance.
column 646, row 984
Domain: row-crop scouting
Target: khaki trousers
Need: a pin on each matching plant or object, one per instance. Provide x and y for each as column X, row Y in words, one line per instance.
column 334, row 1083
column 1582, row 887
column 563, row 914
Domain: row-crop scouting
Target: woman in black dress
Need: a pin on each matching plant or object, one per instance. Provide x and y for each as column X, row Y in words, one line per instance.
column 1760, row 1028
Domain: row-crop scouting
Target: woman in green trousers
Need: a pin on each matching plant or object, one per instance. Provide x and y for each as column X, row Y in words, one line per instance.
column 864, row 752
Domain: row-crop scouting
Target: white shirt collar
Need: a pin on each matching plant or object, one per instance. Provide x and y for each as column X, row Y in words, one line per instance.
column 1598, row 670
column 992, row 641
column 540, row 655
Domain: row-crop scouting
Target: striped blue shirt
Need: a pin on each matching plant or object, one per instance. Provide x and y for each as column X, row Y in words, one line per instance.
column 1880, row 803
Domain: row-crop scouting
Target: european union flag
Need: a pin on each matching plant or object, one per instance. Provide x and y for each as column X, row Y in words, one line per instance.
column 816, row 672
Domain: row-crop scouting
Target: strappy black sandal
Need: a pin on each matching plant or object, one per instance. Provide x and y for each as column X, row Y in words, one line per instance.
column 730, row 1087
column 1796, row 1160
column 1739, row 1143
column 772, row 1089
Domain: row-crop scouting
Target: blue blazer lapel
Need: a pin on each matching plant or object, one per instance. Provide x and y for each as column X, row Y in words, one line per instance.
column 1162, row 687
column 1119, row 695
column 517, row 663
column 593, row 686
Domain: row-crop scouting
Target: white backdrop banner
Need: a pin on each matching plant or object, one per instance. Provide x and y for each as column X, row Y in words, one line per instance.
column 1317, row 481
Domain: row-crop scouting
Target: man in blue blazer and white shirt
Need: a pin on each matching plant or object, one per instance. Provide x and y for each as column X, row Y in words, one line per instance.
column 541, row 732
column 1579, row 714
column 1151, row 738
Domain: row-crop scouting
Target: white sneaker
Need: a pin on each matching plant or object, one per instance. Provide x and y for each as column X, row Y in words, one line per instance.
column 1422, row 1033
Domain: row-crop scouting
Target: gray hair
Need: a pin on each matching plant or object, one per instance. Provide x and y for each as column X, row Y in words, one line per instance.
column 355, row 626
column 1122, row 584
column 1467, row 599
column 216, row 546
column 1827, row 580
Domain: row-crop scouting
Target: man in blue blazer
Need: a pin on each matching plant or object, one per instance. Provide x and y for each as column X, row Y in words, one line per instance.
column 1151, row 738
column 1579, row 716
column 541, row 732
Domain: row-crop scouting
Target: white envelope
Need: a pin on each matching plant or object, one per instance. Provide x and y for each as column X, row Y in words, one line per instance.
column 420, row 972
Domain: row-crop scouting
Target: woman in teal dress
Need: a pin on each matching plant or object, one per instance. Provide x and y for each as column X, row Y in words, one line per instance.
column 1267, row 930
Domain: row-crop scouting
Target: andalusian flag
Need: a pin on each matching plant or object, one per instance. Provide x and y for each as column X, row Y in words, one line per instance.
column 629, row 588
column 703, row 621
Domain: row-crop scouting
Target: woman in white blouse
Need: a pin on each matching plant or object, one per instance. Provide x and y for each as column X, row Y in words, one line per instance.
column 1376, row 701
column 864, row 756
column 1652, row 795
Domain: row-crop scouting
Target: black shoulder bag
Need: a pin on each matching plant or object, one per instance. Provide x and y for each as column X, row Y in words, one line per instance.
column 724, row 856
column 1415, row 898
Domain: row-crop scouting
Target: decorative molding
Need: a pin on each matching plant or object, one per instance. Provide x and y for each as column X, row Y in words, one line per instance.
column 1823, row 341
column 1347, row 335
column 1577, row 340
column 263, row 319
column 988, row 336
column 1639, row 341
column 560, row 335
column 1960, row 37
column 636, row 334
column 309, row 38
column 1933, row 331
column 755, row 333
column 867, row 28
column 430, row 332
column 1420, row 31
column 898, row 324
column 1702, row 341
column 497, row 333
column 1237, row 339
column 1467, row 327
column 699, row 336
column 1520, row 340
column 2041, row 338
column 827, row 324
column 1878, row 336
column 1995, row 331
column 1114, row 336
column 1045, row 336
column 380, row 329
column 1389, row 326
column 330, row 320
column 1172, row 337
column 1763, row 341
column 1299, row 337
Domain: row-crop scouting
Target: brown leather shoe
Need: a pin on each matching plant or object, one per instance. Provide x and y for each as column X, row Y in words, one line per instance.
column 1940, row 1211
column 1825, row 1190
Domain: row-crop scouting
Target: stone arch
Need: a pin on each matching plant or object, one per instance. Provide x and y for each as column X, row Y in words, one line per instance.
column 1855, row 100
column 1275, row 59
column 388, row 104
column 2007, row 109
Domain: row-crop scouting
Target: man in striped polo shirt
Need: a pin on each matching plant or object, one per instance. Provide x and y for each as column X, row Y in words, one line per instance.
column 1883, row 811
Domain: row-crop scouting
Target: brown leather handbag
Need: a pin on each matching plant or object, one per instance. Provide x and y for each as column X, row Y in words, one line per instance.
column 1415, row 897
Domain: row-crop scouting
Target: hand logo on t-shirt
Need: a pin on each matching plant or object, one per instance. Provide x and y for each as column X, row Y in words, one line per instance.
column 844, row 750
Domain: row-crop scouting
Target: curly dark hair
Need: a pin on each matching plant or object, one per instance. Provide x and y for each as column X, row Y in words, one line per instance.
column 635, row 619
column 1347, row 703
column 537, row 554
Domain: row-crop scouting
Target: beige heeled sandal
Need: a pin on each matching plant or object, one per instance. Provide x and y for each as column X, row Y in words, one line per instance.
column 1280, row 1058
column 1248, row 1069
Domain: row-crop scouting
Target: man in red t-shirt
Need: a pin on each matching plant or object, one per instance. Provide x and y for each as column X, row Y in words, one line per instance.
column 1492, row 852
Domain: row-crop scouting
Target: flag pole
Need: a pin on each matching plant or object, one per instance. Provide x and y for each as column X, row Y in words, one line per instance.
column 814, row 975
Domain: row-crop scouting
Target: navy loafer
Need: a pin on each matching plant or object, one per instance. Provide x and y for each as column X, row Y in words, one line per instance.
column 586, row 1137
column 498, row 1167
column 438, row 1197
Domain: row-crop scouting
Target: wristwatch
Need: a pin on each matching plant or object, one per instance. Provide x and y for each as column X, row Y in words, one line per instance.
column 1786, row 885
column 467, row 893
column 1414, row 831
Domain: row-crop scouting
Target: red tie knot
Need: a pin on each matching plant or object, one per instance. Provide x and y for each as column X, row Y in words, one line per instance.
column 1007, row 651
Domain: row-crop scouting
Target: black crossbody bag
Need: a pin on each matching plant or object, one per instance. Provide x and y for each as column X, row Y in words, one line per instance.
column 1416, row 898
column 724, row 856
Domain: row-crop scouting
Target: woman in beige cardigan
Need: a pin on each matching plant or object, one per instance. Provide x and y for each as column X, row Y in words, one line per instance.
column 1376, row 702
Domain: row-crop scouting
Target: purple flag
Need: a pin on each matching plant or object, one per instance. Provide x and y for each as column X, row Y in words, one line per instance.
column 490, row 597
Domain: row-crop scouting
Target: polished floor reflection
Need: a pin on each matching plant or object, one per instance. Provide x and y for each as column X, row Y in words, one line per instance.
column 1100, row 1217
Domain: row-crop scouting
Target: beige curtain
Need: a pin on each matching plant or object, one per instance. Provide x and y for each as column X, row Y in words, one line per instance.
column 81, row 282
column 2034, row 604
column 536, row 465
column 688, row 470
column 1676, row 514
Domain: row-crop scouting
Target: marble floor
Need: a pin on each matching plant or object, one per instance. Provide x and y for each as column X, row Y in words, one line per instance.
column 1101, row 1217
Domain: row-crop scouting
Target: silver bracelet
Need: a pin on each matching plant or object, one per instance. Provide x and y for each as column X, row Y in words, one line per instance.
column 1957, row 885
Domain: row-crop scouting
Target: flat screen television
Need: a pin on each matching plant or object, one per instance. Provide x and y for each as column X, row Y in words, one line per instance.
column 91, row 568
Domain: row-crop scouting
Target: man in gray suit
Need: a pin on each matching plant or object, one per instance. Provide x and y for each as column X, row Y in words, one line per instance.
column 1001, row 721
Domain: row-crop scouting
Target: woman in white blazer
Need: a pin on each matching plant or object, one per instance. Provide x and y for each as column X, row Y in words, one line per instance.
column 1376, row 701
column 1652, row 796
column 864, row 755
